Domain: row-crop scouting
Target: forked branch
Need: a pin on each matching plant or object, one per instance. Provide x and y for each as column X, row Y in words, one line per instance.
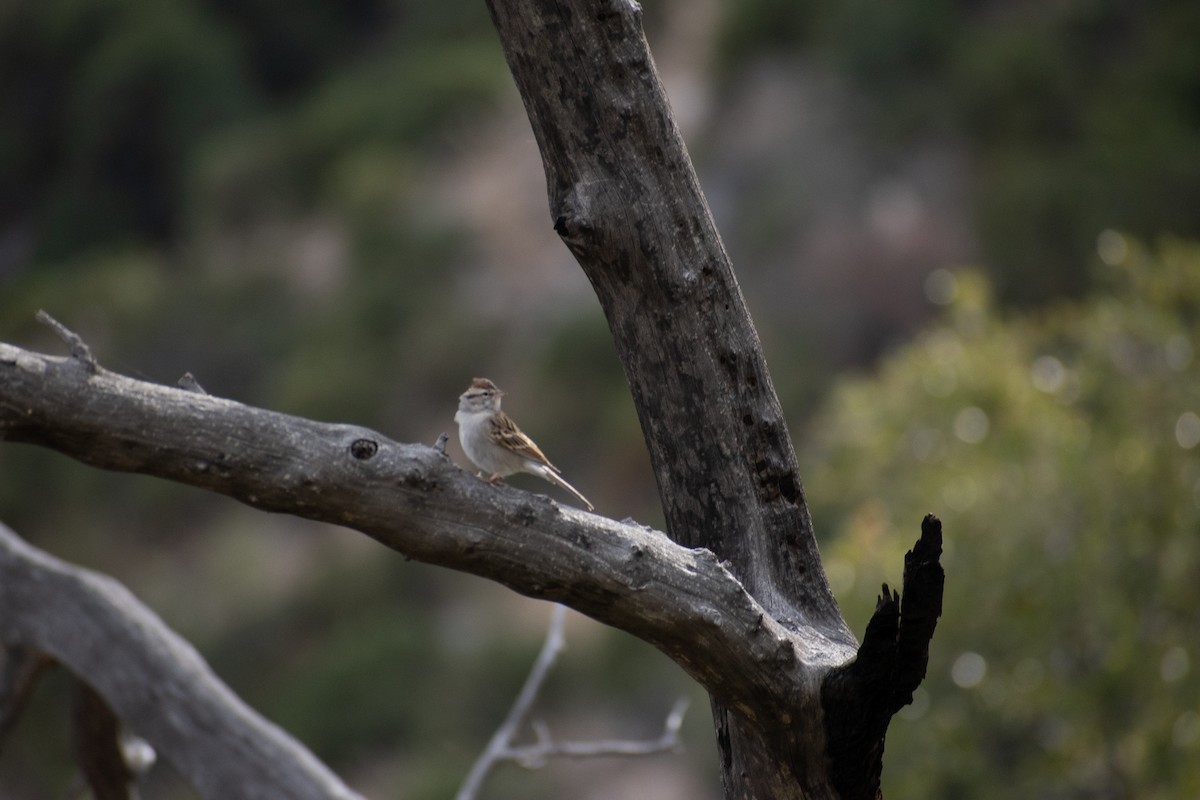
column 501, row 747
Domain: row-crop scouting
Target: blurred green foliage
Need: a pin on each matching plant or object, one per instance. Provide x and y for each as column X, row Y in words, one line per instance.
column 1062, row 452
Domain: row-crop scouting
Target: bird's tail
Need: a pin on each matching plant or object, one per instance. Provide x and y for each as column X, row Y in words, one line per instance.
column 552, row 475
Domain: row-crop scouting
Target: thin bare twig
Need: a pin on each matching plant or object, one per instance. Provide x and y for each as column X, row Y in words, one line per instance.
column 532, row 756
column 498, row 745
column 79, row 349
column 535, row 755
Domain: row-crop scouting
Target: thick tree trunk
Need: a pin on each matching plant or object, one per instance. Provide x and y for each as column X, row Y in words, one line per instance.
column 624, row 198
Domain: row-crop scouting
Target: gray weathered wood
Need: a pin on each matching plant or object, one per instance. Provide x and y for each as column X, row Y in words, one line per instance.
column 624, row 198
column 154, row 681
column 416, row 501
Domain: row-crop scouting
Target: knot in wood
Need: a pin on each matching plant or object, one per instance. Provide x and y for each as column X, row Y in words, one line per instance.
column 581, row 208
column 364, row 449
column 573, row 229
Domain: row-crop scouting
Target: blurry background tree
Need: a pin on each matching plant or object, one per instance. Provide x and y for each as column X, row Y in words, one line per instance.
column 1066, row 448
column 337, row 209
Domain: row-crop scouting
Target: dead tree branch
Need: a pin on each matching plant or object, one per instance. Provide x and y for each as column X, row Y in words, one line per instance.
column 501, row 747
column 546, row 746
column 153, row 680
column 416, row 501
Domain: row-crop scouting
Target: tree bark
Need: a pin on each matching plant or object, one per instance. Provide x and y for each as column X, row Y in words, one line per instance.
column 153, row 680
column 624, row 198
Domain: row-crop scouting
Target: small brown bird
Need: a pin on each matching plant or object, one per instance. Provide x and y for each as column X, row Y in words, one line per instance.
column 495, row 444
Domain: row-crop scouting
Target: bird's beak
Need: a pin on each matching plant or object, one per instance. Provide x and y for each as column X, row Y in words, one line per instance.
column 500, row 393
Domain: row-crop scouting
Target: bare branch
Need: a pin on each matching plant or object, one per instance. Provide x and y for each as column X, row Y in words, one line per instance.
column 498, row 746
column 532, row 756
column 79, row 349
column 153, row 680
column 536, row 754
column 416, row 501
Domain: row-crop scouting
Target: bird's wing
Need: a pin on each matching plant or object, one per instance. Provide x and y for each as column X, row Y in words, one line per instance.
column 510, row 437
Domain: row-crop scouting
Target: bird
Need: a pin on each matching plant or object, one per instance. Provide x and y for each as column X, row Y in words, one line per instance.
column 496, row 445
